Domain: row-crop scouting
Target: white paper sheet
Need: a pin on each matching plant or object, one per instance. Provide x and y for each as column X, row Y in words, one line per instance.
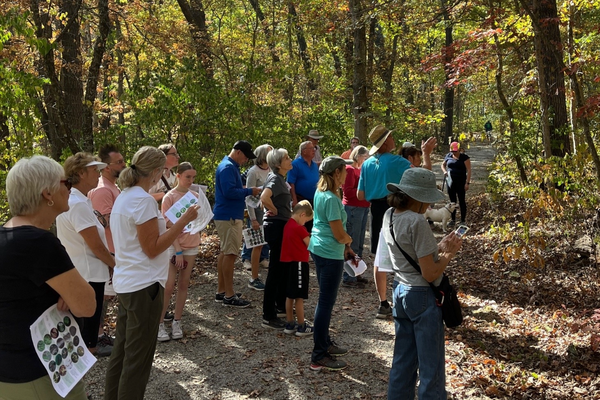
column 180, row 207
column 61, row 349
column 253, row 237
column 382, row 257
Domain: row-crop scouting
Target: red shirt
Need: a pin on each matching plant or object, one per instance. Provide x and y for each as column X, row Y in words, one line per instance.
column 350, row 187
column 293, row 247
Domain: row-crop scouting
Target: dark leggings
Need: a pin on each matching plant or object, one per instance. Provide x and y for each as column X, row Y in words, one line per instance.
column 275, row 284
column 458, row 190
column 89, row 326
column 378, row 209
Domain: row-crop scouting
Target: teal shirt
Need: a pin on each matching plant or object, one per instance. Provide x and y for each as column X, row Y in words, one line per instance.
column 327, row 207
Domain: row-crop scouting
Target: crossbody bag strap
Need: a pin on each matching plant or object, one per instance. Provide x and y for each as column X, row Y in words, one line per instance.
column 408, row 258
column 165, row 182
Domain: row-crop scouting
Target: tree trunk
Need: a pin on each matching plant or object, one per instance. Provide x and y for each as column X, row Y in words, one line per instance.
column 360, row 103
column 302, row 47
column 267, row 33
column 448, row 56
column 93, row 76
column 193, row 11
column 549, row 53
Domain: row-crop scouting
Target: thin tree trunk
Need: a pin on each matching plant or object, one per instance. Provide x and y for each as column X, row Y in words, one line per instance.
column 265, row 29
column 360, row 104
column 194, row 14
column 448, row 56
column 302, row 46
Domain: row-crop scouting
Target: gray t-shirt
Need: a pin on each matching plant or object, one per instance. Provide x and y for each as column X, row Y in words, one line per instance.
column 414, row 235
column 281, row 198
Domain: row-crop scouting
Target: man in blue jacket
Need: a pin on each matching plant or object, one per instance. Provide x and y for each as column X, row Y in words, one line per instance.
column 228, row 212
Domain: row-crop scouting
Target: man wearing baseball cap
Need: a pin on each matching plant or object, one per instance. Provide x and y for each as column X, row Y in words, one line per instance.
column 376, row 172
column 228, row 213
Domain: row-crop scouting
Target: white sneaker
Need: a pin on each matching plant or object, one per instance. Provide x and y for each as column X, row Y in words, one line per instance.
column 163, row 335
column 247, row 265
column 264, row 263
column 176, row 331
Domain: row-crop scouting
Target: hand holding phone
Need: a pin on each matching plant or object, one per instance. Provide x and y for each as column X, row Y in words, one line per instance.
column 461, row 230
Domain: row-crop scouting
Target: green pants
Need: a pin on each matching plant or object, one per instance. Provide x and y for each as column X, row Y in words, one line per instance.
column 40, row 389
column 132, row 355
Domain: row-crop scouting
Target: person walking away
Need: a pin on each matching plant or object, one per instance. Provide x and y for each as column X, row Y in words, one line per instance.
column 419, row 328
column 294, row 258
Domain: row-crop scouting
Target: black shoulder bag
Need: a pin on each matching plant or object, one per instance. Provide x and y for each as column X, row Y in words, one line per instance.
column 445, row 295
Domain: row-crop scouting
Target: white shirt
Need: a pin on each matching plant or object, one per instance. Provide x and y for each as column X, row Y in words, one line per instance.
column 68, row 225
column 135, row 270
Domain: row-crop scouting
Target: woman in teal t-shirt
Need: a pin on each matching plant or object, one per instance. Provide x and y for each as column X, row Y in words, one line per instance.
column 329, row 246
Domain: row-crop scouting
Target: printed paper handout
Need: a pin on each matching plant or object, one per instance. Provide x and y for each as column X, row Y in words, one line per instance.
column 254, row 238
column 180, row 207
column 382, row 257
column 61, row 349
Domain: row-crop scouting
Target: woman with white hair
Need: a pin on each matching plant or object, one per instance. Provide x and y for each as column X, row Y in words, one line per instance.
column 141, row 239
column 276, row 199
column 419, row 343
column 35, row 273
column 82, row 234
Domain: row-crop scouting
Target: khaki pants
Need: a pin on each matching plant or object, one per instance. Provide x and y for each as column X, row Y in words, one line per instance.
column 137, row 329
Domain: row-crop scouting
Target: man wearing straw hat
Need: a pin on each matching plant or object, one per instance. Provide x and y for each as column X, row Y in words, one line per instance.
column 376, row 172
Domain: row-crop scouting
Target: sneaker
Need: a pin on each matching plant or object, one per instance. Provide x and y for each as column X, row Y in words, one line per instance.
column 290, row 328
column 235, row 302
column 247, row 265
column 220, row 296
column 103, row 350
column 362, row 280
column 305, row 330
column 276, row 323
column 107, row 340
column 256, row 284
column 353, row 284
column 163, row 335
column 384, row 311
column 452, row 223
column 281, row 313
column 176, row 331
column 168, row 316
column 264, row 263
column 328, row 362
column 336, row 350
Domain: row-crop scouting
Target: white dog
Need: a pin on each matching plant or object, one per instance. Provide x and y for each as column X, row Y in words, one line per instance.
column 442, row 215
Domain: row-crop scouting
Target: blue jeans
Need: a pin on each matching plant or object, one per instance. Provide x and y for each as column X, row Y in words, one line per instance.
column 419, row 345
column 356, row 227
column 329, row 275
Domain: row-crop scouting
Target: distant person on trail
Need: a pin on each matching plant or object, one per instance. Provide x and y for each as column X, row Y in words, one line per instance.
column 488, row 129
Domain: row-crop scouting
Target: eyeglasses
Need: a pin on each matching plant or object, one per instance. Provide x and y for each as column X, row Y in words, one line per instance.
column 117, row 162
column 176, row 154
column 67, row 183
column 101, row 218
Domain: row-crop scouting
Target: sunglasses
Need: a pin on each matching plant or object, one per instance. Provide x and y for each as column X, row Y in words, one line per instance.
column 67, row 183
column 101, row 218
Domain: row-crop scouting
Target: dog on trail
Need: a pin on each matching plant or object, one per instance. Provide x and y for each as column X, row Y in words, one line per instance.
column 442, row 215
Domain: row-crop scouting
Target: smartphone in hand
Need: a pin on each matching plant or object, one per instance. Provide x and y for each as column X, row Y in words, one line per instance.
column 461, row 230
column 184, row 262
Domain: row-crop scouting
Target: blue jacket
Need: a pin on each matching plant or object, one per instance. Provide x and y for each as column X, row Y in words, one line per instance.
column 230, row 195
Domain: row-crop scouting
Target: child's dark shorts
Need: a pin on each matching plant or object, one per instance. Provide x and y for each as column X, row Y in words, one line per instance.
column 297, row 280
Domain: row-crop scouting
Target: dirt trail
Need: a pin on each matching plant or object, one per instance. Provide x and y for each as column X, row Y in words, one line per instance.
column 226, row 354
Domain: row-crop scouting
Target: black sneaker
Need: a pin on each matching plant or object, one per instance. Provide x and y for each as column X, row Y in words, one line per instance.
column 362, row 280
column 452, row 223
column 275, row 323
column 328, row 362
column 384, row 311
column 169, row 316
column 220, row 296
column 107, row 340
column 353, row 284
column 336, row 350
column 235, row 302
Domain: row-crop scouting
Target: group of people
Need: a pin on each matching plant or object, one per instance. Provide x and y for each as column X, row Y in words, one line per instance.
column 112, row 234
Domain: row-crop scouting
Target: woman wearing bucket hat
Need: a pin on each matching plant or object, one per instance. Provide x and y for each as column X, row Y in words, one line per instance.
column 457, row 170
column 418, row 320
column 329, row 246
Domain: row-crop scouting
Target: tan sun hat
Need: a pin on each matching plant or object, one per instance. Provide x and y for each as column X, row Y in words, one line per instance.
column 377, row 137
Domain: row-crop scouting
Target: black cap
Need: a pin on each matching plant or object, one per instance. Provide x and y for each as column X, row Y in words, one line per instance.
column 245, row 148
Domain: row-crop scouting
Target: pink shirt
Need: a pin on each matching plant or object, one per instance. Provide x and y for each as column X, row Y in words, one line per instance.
column 103, row 198
column 186, row 241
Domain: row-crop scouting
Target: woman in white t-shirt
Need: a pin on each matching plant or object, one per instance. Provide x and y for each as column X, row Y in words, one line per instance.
column 82, row 234
column 141, row 239
column 183, row 253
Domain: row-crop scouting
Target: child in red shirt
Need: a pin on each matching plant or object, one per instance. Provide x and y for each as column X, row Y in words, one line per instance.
column 294, row 256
